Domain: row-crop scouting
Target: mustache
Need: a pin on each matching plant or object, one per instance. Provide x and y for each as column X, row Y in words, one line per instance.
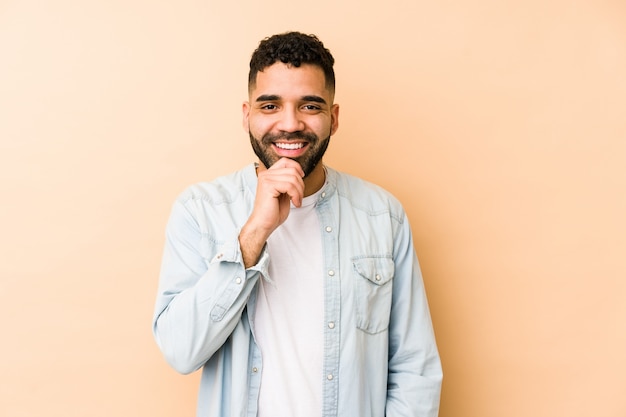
column 270, row 138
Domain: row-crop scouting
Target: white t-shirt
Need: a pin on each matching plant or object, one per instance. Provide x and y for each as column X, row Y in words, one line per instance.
column 289, row 318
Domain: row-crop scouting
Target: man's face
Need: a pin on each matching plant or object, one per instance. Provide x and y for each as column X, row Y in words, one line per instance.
column 290, row 114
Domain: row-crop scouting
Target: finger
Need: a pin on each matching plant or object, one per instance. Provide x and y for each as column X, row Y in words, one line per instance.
column 292, row 173
column 291, row 186
column 288, row 163
column 283, row 182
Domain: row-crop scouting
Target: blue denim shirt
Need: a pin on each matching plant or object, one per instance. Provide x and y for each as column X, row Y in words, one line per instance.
column 380, row 355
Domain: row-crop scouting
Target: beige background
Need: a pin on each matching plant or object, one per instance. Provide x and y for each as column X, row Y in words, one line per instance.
column 500, row 125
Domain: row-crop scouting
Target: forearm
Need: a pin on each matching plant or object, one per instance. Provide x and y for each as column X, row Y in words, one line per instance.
column 414, row 393
column 415, row 373
column 203, row 289
column 194, row 323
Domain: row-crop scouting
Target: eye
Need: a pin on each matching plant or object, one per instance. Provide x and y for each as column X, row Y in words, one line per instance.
column 311, row 107
column 269, row 106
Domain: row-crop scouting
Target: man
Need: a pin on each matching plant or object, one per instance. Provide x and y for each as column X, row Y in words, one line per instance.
column 294, row 287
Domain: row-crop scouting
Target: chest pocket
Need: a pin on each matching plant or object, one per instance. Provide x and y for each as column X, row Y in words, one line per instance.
column 373, row 284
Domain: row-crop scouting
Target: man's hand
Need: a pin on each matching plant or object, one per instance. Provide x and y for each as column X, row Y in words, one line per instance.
column 277, row 187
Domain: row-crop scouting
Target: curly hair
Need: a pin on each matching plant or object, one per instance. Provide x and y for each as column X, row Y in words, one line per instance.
column 292, row 48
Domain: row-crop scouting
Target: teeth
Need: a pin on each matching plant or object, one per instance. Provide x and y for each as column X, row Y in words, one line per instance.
column 289, row 146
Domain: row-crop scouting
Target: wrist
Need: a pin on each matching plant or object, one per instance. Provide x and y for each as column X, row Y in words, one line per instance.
column 251, row 243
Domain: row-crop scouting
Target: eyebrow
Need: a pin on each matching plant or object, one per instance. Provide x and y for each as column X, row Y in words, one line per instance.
column 267, row 97
column 314, row 99
column 274, row 97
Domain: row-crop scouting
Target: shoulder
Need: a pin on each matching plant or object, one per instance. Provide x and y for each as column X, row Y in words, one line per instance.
column 224, row 189
column 218, row 207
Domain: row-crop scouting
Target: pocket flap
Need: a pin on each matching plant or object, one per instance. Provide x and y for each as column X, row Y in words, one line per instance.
column 378, row 270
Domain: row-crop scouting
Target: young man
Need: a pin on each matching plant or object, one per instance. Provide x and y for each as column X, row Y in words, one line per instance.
column 295, row 287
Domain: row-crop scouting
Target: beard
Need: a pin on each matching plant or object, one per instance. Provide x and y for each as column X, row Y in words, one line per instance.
column 308, row 162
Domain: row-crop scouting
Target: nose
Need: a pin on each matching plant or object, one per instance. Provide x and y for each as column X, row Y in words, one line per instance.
column 290, row 120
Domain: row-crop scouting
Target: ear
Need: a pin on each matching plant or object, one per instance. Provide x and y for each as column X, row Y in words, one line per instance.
column 334, row 119
column 245, row 110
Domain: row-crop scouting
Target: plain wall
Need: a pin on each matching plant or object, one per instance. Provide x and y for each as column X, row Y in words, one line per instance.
column 499, row 124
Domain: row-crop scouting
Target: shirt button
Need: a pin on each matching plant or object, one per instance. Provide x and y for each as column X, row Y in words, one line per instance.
column 331, row 325
column 377, row 277
column 323, row 194
column 331, row 273
column 329, row 229
column 255, row 370
column 329, row 377
column 238, row 280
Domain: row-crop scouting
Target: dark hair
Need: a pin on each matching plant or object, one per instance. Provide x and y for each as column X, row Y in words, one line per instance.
column 292, row 48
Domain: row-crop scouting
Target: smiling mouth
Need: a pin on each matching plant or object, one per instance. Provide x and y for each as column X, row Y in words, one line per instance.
column 289, row 146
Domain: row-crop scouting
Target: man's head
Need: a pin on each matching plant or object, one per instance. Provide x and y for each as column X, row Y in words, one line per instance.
column 293, row 49
column 290, row 112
